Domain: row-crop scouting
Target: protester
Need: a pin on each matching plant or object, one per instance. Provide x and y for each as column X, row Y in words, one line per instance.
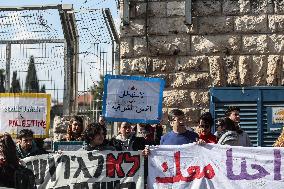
column 204, row 129
column 102, row 123
column 147, row 132
column 179, row 135
column 9, row 161
column 94, row 138
column 75, row 129
column 26, row 146
column 126, row 140
column 233, row 113
column 231, row 136
column 158, row 132
column 220, row 128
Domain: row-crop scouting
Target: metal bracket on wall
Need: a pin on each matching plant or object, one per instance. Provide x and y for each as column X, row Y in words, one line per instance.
column 188, row 16
column 125, row 12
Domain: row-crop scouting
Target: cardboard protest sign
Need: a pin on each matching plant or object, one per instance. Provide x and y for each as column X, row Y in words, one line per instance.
column 97, row 169
column 25, row 111
column 215, row 167
column 133, row 99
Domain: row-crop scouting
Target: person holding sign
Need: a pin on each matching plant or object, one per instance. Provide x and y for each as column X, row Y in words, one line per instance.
column 234, row 135
column 204, row 129
column 125, row 138
column 94, row 138
column 75, row 129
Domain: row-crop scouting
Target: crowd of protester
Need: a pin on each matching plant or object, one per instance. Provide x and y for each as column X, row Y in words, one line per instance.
column 131, row 137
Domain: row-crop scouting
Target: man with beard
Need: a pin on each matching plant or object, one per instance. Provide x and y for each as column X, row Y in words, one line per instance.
column 26, row 146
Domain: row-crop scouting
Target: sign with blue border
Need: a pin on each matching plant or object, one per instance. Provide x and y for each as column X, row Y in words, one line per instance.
column 133, row 99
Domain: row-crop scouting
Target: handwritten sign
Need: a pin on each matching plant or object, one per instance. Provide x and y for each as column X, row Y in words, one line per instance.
column 85, row 169
column 215, row 167
column 133, row 99
column 25, row 111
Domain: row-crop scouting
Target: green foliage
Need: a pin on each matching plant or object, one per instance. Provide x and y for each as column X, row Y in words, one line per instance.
column 15, row 85
column 98, row 91
column 32, row 84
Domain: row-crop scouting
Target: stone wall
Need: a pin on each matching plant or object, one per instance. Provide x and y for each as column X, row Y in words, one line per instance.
column 229, row 43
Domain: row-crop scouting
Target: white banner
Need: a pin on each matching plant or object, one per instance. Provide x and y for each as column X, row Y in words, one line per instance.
column 215, row 167
column 133, row 99
column 105, row 169
column 25, row 111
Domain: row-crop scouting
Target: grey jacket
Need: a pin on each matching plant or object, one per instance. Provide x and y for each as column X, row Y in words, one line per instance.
column 232, row 138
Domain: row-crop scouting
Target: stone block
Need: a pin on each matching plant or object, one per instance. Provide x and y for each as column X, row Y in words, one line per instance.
column 218, row 25
column 199, row 98
column 163, row 64
column 206, row 8
column 158, row 26
column 261, row 6
column 234, row 7
column 206, row 44
column 276, row 43
column 167, row 77
column 189, row 63
column 177, row 26
column 140, row 46
column 245, row 70
column 169, row 45
column 192, row 116
column 231, row 64
column 176, row 8
column 155, row 9
column 136, row 27
column 276, row 23
column 190, row 81
column 158, row 9
column 259, row 70
column 133, row 66
column 274, row 70
column 252, row 24
column 165, row 26
column 217, row 73
column 255, row 44
column 176, row 98
column 279, row 6
column 126, row 47
column 140, row 10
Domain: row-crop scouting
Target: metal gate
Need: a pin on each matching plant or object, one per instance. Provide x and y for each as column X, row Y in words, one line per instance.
column 254, row 103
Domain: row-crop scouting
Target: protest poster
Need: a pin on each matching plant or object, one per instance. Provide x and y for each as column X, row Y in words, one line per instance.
column 88, row 169
column 275, row 118
column 25, row 111
column 133, row 99
column 211, row 166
